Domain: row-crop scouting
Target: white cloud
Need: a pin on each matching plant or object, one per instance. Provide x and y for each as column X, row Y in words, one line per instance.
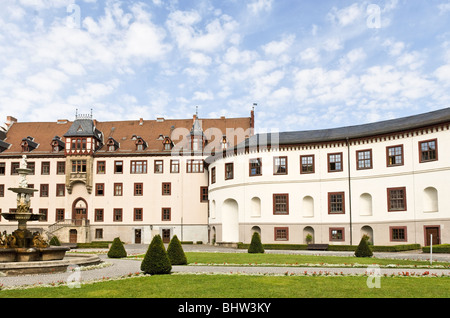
column 258, row 6
column 203, row 96
column 279, row 47
column 348, row 15
column 444, row 8
column 310, row 55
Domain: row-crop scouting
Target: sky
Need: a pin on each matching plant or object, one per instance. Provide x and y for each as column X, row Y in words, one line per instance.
column 305, row 64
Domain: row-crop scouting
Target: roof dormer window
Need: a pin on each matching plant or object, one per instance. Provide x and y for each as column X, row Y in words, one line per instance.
column 112, row 144
column 167, row 144
column 140, row 143
column 28, row 144
column 57, row 144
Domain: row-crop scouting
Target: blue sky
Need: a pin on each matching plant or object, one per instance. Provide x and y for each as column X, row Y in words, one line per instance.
column 307, row 64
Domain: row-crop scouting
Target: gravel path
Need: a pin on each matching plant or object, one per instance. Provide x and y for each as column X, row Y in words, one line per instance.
column 123, row 267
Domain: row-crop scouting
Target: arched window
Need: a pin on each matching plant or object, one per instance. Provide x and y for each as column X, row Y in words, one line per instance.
column 256, row 207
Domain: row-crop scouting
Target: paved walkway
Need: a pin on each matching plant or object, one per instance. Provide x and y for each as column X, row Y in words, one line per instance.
column 123, row 267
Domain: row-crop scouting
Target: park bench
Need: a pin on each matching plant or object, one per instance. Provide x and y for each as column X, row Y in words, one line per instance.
column 318, row 247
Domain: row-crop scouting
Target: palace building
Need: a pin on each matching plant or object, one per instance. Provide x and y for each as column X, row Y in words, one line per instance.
column 128, row 179
column 388, row 180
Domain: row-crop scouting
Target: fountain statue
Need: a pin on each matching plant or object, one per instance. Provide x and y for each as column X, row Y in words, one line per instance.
column 22, row 245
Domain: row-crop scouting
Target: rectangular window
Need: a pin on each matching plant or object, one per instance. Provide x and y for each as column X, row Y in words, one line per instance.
column 138, row 215
column 396, row 199
column 255, row 167
column 118, row 167
column 101, row 167
column 117, row 215
column 203, row 194
column 31, row 166
column 100, row 189
column 394, row 155
column 138, row 166
column 59, row 215
column 336, row 203
column 428, row 150
column 364, row 159
column 78, row 166
column 279, row 165
column 159, row 166
column 61, row 167
column 307, row 164
column 194, row 166
column 229, row 167
column 174, row 166
column 31, row 186
column 98, row 215
column 336, row 234
column 398, row 234
column 98, row 233
column 281, row 204
column 213, row 175
column 2, row 190
column 334, row 162
column 2, row 168
column 166, row 214
column 45, row 168
column 281, row 234
column 138, row 189
column 166, row 188
column 45, row 213
column 44, row 190
column 60, row 190
column 14, row 167
column 118, row 189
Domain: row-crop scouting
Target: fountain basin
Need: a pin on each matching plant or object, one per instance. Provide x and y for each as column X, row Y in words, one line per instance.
column 13, row 216
column 32, row 254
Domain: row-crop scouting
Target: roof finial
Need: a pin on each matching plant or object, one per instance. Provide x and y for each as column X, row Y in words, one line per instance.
column 196, row 111
column 254, row 105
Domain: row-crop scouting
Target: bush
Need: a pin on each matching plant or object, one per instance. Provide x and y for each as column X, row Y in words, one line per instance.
column 117, row 250
column 363, row 249
column 54, row 241
column 255, row 245
column 175, row 252
column 156, row 260
column 442, row 248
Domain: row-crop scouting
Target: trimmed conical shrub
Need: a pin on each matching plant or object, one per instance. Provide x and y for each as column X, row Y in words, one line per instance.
column 256, row 245
column 175, row 252
column 363, row 249
column 54, row 241
column 156, row 261
column 117, row 250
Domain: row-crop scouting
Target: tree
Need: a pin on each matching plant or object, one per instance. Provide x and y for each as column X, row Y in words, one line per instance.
column 256, row 245
column 117, row 250
column 175, row 252
column 156, row 261
column 363, row 249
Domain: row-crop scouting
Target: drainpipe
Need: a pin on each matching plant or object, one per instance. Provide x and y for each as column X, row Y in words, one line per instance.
column 349, row 191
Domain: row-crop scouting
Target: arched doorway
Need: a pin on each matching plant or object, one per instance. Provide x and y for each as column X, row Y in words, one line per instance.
column 230, row 221
column 368, row 231
column 79, row 211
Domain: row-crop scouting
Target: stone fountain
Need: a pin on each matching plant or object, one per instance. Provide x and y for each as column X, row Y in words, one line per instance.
column 22, row 245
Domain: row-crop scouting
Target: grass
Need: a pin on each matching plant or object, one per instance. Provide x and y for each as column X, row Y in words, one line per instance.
column 242, row 286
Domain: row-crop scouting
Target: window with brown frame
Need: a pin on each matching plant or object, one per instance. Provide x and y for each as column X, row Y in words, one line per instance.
column 118, row 166
column 117, row 215
column 428, row 150
column 203, row 194
column 337, row 234
column 98, row 215
column 281, row 203
column 166, row 214
column 364, row 159
column 398, row 234
column 229, row 171
column 78, row 144
column 158, row 166
column 60, row 190
column 31, row 186
column 79, row 166
column 118, row 189
column 194, row 166
column 44, row 190
column 280, row 165
column 281, row 234
column 14, row 167
column 2, row 190
column 307, row 164
column 255, row 167
column 336, row 203
column 45, row 213
column 59, row 215
column 335, row 162
column 2, row 168
column 100, row 189
column 394, row 155
column 98, row 233
column 45, row 168
column 138, row 166
column 61, row 167
column 166, row 188
column 213, row 175
column 138, row 215
column 101, row 167
column 396, row 199
column 175, row 166
column 138, row 189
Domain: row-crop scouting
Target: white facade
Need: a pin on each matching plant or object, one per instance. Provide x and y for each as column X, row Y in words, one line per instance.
column 393, row 203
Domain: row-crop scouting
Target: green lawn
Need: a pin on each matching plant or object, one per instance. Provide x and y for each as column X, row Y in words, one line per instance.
column 242, row 286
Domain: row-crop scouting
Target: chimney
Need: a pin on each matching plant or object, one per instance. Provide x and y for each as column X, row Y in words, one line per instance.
column 10, row 120
column 141, row 121
column 252, row 117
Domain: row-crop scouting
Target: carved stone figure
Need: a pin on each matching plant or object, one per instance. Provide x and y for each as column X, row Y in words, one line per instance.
column 23, row 162
column 39, row 241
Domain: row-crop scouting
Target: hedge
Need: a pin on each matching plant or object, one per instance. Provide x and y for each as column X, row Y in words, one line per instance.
column 442, row 248
column 341, row 248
